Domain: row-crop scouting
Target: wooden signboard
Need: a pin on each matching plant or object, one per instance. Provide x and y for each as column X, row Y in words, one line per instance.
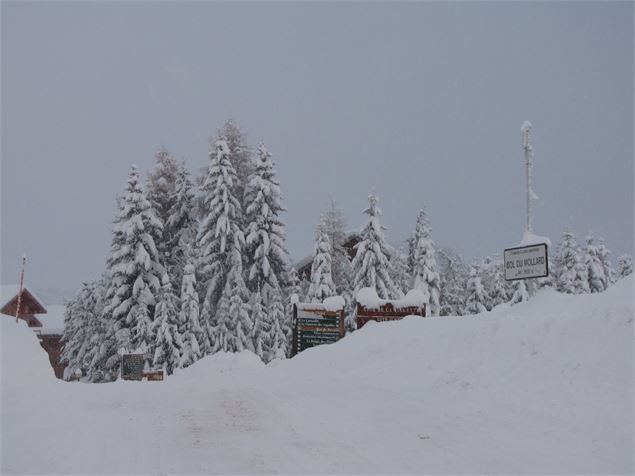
column 132, row 367
column 314, row 325
column 386, row 312
column 155, row 375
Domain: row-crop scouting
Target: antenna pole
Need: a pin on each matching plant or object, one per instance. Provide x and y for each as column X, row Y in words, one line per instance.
column 17, row 310
column 529, row 155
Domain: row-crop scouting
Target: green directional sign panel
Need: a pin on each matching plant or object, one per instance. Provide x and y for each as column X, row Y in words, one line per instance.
column 316, row 327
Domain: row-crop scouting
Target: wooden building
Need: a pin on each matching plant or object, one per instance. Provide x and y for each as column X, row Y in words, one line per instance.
column 303, row 267
column 48, row 325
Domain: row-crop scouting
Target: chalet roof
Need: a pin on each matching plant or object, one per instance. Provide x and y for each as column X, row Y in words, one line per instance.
column 9, row 291
column 307, row 260
column 52, row 317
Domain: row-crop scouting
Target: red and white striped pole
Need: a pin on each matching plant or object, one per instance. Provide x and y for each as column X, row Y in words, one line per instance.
column 17, row 310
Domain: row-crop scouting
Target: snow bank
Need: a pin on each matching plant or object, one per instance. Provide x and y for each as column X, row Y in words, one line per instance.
column 543, row 387
column 24, row 362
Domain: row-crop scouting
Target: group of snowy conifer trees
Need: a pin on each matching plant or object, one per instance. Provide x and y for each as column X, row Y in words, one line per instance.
column 376, row 264
column 191, row 272
column 450, row 287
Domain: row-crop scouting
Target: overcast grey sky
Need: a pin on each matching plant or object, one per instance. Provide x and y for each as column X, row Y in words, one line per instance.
column 423, row 101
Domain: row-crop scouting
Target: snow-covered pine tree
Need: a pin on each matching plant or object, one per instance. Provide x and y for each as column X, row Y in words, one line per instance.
column 132, row 275
column 192, row 333
column 180, row 225
column 497, row 289
column 581, row 279
column 425, row 276
column 604, row 257
column 233, row 317
column 220, row 232
column 321, row 278
column 334, row 225
column 566, row 263
column 168, row 343
column 79, row 317
column 476, row 295
column 454, row 275
column 400, row 273
column 277, row 341
column 160, row 193
column 598, row 282
column 371, row 265
column 521, row 293
column 266, row 258
column 240, row 154
column 625, row 265
column 259, row 328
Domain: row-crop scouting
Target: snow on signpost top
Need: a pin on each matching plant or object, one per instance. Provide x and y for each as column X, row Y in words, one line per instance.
column 530, row 239
column 368, row 298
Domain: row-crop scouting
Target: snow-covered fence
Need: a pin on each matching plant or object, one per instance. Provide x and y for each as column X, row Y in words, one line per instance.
column 370, row 307
column 317, row 323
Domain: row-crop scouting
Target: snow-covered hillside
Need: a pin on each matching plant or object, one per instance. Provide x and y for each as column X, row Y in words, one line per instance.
column 542, row 387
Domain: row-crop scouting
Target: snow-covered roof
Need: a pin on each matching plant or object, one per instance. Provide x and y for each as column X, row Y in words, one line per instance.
column 52, row 321
column 303, row 262
column 368, row 298
column 9, row 291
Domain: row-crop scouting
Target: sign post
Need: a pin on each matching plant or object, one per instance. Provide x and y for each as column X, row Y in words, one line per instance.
column 525, row 262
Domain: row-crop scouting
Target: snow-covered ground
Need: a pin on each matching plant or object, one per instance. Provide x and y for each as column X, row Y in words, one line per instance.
column 541, row 387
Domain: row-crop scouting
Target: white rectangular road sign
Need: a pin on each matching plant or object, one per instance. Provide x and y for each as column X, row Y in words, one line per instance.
column 526, row 262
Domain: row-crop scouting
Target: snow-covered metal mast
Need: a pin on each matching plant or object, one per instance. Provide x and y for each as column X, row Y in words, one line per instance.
column 529, row 156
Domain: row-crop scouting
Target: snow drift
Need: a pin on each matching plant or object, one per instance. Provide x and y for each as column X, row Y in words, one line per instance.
column 541, row 387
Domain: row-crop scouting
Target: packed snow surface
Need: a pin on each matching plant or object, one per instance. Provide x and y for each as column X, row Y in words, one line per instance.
column 543, row 387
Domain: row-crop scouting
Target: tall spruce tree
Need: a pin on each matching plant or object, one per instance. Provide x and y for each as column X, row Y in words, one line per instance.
column 476, row 295
column 625, row 265
column 400, row 272
column 193, row 335
column 180, row 226
column 597, row 280
column 521, row 293
column 334, row 225
column 267, row 260
column 161, row 195
column 277, row 342
column 371, row 265
column 425, row 276
column 220, row 234
column 259, row 329
column 604, row 257
column 239, row 155
column 454, row 275
column 133, row 271
column 168, row 342
column 321, row 278
column 567, row 266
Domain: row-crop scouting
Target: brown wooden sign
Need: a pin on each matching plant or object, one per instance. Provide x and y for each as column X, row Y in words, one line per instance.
column 386, row 312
